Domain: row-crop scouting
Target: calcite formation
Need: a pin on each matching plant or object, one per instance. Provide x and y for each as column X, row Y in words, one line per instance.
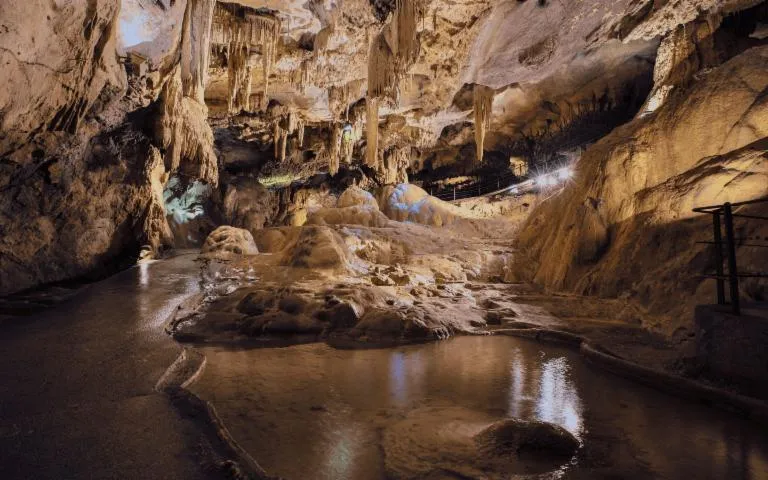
column 372, row 132
column 482, row 98
column 195, row 47
column 244, row 33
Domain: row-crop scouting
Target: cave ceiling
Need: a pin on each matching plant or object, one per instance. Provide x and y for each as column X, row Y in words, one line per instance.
column 549, row 62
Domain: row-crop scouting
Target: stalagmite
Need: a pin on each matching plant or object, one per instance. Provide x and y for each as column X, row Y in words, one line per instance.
column 372, row 132
column 393, row 169
column 483, row 103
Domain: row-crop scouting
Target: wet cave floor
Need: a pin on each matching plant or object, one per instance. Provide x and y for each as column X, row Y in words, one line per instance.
column 78, row 400
column 311, row 411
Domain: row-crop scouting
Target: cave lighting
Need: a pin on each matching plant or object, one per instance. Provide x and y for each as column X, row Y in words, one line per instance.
column 564, row 173
column 545, row 180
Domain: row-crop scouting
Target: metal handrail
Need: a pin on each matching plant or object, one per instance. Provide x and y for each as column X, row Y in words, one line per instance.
column 733, row 275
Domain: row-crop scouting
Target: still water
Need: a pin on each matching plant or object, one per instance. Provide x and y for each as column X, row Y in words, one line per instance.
column 313, row 412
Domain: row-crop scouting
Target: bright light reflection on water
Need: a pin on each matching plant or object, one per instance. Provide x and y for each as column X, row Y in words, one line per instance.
column 558, row 400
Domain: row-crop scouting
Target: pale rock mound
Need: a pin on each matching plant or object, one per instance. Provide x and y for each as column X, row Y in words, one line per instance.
column 354, row 207
column 227, row 240
column 356, row 215
column 356, row 196
column 317, row 247
column 409, row 203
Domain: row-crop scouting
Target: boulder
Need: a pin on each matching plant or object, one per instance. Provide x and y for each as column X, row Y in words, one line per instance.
column 227, row 240
column 517, row 437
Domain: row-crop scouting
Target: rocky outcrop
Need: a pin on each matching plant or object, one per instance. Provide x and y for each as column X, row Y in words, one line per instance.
column 625, row 226
column 82, row 171
column 57, row 60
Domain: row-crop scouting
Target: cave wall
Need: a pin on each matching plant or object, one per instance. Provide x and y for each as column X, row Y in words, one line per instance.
column 57, row 58
column 87, row 146
column 624, row 227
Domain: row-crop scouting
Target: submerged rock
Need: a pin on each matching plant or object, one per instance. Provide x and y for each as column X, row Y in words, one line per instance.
column 521, row 437
column 432, row 441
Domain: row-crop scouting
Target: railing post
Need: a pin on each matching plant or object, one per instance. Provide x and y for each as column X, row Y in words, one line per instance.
column 733, row 278
column 719, row 258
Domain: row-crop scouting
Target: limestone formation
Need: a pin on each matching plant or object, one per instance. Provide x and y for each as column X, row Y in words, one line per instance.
column 227, row 240
column 239, row 32
column 482, row 97
column 379, row 173
column 195, row 48
column 628, row 193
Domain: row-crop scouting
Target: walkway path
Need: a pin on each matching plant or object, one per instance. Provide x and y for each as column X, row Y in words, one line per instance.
column 76, row 383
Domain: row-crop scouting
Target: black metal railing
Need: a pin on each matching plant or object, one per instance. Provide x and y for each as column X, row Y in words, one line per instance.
column 728, row 213
column 473, row 189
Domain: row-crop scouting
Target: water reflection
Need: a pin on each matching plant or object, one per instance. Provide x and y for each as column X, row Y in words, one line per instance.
column 558, row 400
column 397, row 378
column 314, row 412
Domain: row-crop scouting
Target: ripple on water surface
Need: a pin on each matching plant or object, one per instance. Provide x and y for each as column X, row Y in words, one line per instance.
column 311, row 411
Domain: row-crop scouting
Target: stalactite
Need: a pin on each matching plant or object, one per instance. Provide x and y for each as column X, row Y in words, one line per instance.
column 404, row 24
column 300, row 132
column 181, row 127
column 267, row 61
column 292, row 122
column 301, row 78
column 372, row 132
column 347, row 149
column 238, row 77
column 334, row 149
column 182, row 130
column 321, row 41
column 394, row 51
column 483, row 103
column 338, row 100
column 195, row 47
column 283, row 145
column 276, row 134
column 235, row 25
column 382, row 77
column 357, row 120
